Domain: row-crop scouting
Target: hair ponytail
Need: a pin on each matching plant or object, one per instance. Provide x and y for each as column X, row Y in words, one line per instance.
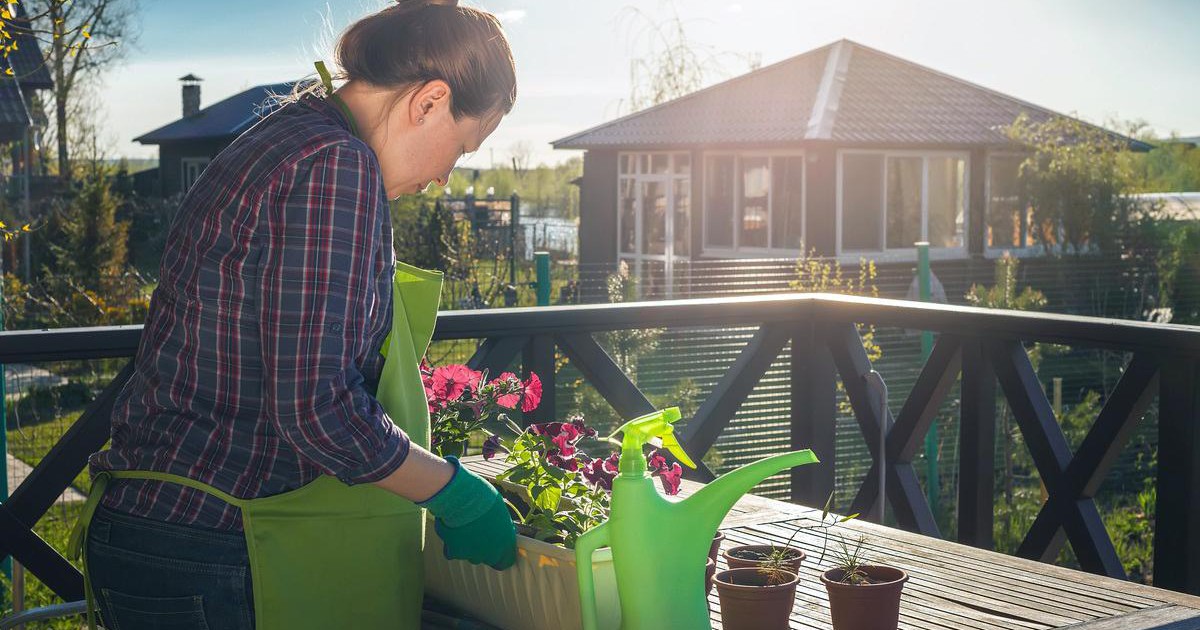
column 413, row 42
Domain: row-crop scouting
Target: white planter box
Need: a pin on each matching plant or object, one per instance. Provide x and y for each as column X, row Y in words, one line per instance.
column 539, row 592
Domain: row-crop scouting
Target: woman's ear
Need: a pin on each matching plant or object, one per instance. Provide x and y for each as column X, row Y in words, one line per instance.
column 428, row 99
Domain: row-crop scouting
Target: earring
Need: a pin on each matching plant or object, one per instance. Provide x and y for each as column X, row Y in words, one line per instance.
column 420, row 121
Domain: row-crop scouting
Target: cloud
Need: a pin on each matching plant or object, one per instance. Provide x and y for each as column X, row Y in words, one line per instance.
column 736, row 7
column 511, row 16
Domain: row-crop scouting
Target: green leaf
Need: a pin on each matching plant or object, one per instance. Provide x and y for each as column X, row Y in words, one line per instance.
column 547, row 498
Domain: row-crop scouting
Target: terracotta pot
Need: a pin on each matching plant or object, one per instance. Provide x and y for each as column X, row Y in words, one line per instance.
column 715, row 548
column 710, row 567
column 735, row 562
column 749, row 602
column 874, row 606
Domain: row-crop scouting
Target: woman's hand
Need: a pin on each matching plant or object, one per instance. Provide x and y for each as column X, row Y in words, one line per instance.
column 471, row 517
column 472, row 520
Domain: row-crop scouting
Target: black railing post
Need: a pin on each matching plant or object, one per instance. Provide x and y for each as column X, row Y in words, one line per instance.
column 1177, row 518
column 814, row 413
column 977, row 447
column 538, row 357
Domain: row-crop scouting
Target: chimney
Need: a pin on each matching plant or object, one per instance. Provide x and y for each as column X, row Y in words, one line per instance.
column 191, row 94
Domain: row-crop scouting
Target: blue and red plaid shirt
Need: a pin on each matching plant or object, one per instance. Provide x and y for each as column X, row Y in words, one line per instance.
column 259, row 360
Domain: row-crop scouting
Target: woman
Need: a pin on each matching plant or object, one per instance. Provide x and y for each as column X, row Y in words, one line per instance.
column 254, row 477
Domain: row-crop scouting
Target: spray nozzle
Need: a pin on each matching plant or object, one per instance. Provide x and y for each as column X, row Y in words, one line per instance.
column 643, row 429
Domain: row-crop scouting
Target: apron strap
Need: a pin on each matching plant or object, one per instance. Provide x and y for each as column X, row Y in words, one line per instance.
column 179, row 480
column 327, row 81
column 78, row 536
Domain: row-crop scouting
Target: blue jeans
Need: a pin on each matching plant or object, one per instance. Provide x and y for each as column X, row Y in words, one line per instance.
column 150, row 575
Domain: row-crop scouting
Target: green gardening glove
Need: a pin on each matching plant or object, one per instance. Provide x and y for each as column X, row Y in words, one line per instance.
column 472, row 520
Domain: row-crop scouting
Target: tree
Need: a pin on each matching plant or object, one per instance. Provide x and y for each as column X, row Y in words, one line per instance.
column 670, row 64
column 1172, row 166
column 1077, row 177
column 93, row 250
column 81, row 38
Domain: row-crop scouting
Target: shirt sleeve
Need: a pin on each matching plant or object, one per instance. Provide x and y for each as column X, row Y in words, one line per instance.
column 317, row 289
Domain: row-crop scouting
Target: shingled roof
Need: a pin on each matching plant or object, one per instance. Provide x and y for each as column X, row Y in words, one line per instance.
column 14, row 116
column 227, row 118
column 844, row 92
column 28, row 64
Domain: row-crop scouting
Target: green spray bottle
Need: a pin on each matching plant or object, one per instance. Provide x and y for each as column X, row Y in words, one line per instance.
column 660, row 546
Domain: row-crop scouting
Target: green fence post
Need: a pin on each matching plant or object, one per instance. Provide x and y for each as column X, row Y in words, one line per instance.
column 543, row 277
column 933, row 487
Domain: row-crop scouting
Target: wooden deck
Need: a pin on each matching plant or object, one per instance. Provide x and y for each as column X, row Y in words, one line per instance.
column 950, row 586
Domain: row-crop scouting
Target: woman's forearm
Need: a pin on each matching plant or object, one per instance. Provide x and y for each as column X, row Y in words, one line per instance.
column 420, row 476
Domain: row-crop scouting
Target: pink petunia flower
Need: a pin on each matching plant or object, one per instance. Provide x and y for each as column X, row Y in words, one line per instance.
column 532, row 393
column 508, row 401
column 448, row 382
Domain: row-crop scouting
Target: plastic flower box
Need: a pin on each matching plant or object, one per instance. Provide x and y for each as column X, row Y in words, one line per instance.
column 539, row 592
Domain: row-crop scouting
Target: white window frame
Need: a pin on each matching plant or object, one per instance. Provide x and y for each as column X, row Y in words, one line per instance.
column 668, row 180
column 905, row 253
column 737, row 251
column 1031, row 249
column 200, row 162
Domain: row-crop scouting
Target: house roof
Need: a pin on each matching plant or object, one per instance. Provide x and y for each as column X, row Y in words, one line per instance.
column 844, row 92
column 229, row 117
column 14, row 116
column 27, row 61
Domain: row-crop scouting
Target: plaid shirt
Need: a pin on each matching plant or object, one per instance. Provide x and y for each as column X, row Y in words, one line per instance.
column 260, row 356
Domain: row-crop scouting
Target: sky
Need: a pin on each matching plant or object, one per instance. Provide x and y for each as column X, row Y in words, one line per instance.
column 1099, row 59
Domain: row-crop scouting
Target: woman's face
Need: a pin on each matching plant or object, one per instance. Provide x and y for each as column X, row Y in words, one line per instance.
column 422, row 140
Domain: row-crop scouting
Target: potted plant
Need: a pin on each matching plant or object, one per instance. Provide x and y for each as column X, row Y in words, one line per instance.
column 758, row 590
column 756, row 598
column 862, row 596
column 781, row 556
column 555, row 492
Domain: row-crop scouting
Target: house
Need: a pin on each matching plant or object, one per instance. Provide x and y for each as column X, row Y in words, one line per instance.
column 844, row 150
column 187, row 145
column 23, row 73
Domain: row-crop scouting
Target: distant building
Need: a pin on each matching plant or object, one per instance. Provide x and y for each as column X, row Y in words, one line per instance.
column 186, row 146
column 22, row 74
column 845, row 150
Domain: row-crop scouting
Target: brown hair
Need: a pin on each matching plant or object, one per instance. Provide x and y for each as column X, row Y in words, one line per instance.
column 414, row 42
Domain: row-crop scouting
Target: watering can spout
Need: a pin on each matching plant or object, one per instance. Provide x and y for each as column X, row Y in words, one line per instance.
column 710, row 504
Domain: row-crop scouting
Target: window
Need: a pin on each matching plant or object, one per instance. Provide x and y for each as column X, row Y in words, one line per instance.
column 889, row 201
column 862, row 200
column 192, row 167
column 1009, row 215
column 718, row 201
column 756, row 197
column 654, row 200
column 754, row 202
column 653, row 204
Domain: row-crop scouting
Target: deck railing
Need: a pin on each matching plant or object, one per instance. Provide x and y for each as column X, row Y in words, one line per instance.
column 980, row 349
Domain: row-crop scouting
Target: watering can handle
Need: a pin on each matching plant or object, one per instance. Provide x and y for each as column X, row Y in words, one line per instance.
column 585, row 545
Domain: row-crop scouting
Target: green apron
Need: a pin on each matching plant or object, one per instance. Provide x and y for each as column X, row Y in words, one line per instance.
column 329, row 555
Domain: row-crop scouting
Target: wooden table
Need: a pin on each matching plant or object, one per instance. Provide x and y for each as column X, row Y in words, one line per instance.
column 950, row 586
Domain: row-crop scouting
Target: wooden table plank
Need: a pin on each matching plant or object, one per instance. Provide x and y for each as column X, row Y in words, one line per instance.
column 1168, row 617
column 951, row 586
column 945, row 568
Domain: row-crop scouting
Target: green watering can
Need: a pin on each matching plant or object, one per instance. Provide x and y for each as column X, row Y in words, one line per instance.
column 660, row 546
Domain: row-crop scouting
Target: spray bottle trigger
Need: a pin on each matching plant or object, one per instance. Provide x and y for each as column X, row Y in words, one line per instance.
column 676, row 449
